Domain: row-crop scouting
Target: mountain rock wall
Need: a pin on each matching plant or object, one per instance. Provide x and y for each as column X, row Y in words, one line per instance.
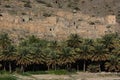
column 58, row 23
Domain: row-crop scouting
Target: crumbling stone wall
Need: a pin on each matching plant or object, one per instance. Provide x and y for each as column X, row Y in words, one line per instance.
column 60, row 25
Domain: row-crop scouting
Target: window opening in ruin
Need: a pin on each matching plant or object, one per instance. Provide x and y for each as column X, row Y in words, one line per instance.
column 50, row 29
column 92, row 23
column 76, row 27
column 118, row 17
column 30, row 19
column 56, row 2
column 23, row 20
column 74, row 23
column 1, row 15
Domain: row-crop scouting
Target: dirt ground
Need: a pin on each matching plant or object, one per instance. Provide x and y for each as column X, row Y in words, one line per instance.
column 78, row 76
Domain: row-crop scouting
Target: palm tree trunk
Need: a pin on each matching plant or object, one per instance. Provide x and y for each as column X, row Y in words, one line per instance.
column 10, row 68
column 34, row 66
column 70, row 66
column 77, row 67
column 52, row 66
column 4, row 66
column 55, row 67
column 99, row 68
column 84, row 66
column 48, row 67
column 67, row 66
column 22, row 68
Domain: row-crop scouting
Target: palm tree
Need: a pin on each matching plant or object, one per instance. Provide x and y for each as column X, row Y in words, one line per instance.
column 55, row 58
column 35, row 47
column 113, row 64
column 23, row 55
column 36, row 54
column 114, row 61
column 108, row 41
column 47, row 56
column 85, row 54
column 100, row 54
column 67, row 56
column 30, row 51
column 7, row 53
column 4, row 40
column 53, row 44
column 74, row 41
column 116, row 45
column 84, row 51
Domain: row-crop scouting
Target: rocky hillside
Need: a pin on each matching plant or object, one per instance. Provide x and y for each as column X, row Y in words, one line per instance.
column 57, row 19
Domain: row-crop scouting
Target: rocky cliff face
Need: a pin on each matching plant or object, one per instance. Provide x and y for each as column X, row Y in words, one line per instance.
column 57, row 19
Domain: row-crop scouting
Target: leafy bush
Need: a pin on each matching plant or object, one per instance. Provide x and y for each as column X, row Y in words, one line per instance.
column 8, row 78
column 37, row 72
column 25, row 74
column 58, row 72
column 92, row 23
column 47, row 14
column 61, row 72
column 28, row 5
column 93, row 68
column 18, row 70
column 23, row 13
column 73, row 5
column 41, row 1
column 0, row 65
column 7, row 6
column 108, row 26
column 4, row 72
column 118, row 17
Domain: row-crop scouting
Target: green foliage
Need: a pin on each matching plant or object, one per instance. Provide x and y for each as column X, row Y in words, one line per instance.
column 2, row 72
column 7, row 6
column 7, row 52
column 0, row 65
column 93, row 68
column 118, row 17
column 25, row 74
column 41, row 1
column 114, row 64
column 74, row 41
column 58, row 72
column 25, row 1
column 28, row 5
column 92, row 23
column 67, row 56
column 74, row 5
column 33, row 51
column 100, row 53
column 7, row 77
column 45, row 14
column 37, row 72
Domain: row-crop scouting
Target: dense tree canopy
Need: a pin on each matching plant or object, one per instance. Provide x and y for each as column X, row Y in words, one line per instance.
column 76, row 51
